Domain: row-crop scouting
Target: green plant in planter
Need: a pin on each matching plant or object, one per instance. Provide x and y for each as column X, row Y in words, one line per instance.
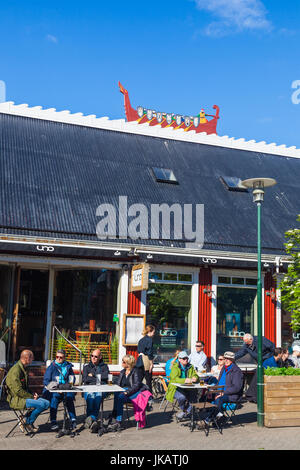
column 281, row 371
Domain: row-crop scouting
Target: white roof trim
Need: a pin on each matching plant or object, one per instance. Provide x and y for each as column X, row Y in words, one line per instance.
column 120, row 125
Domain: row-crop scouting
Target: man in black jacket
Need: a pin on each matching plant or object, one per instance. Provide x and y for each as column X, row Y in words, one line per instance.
column 250, row 347
column 95, row 367
column 232, row 379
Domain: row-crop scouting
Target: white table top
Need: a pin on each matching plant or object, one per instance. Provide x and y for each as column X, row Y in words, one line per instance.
column 91, row 389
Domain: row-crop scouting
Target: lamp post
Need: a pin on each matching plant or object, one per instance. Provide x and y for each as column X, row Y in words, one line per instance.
column 258, row 185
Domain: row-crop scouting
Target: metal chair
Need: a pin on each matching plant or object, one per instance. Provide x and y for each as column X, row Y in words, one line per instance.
column 20, row 415
column 165, row 389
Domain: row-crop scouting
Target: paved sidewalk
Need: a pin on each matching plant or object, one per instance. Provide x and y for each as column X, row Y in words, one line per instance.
column 161, row 433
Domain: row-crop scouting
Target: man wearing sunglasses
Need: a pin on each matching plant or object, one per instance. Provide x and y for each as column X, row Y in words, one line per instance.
column 198, row 357
column 95, row 367
column 59, row 371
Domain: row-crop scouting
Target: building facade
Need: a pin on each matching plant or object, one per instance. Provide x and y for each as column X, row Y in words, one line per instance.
column 64, row 177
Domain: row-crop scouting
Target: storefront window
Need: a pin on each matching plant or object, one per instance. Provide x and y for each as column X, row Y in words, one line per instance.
column 235, row 316
column 85, row 306
column 169, row 310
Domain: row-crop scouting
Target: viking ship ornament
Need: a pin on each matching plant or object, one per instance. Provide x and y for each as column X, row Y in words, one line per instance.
column 140, row 111
column 201, row 123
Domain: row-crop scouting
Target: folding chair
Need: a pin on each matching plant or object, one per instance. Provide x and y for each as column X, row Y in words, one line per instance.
column 164, row 400
column 21, row 415
column 229, row 411
column 231, row 407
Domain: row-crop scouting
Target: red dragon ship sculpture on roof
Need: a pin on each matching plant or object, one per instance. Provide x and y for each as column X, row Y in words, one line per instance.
column 198, row 123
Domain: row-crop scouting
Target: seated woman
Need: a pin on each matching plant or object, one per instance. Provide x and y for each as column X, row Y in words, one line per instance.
column 60, row 370
column 130, row 379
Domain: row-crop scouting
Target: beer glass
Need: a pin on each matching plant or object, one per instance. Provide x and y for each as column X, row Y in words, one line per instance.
column 98, row 379
column 110, row 379
column 71, row 379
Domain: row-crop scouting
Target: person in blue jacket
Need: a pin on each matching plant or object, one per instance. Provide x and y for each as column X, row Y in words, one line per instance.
column 273, row 361
column 232, row 379
column 62, row 369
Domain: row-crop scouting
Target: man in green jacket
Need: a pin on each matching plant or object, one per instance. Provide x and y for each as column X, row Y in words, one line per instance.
column 18, row 395
column 182, row 372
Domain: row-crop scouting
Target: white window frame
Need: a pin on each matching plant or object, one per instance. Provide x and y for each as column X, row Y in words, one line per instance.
column 215, row 283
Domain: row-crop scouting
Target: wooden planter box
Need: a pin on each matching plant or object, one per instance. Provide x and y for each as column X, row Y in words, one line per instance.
column 282, row 401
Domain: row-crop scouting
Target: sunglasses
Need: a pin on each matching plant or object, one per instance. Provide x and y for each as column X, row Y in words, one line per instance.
column 92, row 355
column 184, row 358
column 199, row 346
column 221, row 359
column 60, row 357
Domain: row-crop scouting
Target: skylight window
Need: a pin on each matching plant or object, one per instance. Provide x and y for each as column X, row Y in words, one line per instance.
column 233, row 183
column 164, row 175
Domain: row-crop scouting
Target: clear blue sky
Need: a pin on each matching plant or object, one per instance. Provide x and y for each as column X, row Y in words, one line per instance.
column 174, row 56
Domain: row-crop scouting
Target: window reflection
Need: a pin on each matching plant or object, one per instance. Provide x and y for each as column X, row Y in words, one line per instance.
column 169, row 309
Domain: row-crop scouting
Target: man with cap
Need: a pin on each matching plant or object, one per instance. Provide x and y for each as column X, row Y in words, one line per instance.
column 182, row 372
column 231, row 377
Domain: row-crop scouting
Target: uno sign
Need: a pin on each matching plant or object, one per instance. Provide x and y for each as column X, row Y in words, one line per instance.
column 139, row 277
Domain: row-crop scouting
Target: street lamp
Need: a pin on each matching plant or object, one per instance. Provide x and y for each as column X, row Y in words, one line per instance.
column 258, row 185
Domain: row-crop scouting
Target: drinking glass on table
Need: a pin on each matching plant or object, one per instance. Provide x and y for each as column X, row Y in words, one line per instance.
column 57, row 379
column 71, row 380
column 110, row 379
column 98, row 379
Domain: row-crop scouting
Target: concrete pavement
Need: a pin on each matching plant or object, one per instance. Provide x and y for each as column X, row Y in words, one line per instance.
column 162, row 433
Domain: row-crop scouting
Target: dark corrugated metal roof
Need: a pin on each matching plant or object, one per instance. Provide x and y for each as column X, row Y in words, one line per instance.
column 55, row 175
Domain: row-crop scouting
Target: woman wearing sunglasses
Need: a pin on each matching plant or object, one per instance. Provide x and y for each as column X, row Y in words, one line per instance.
column 59, row 371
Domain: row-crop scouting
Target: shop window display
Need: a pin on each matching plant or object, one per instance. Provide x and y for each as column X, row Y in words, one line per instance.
column 169, row 310
column 85, row 306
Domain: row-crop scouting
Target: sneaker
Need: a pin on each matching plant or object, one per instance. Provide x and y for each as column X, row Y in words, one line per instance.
column 94, row 427
column 118, row 426
column 31, row 428
column 219, row 415
column 54, row 426
column 207, row 420
column 88, row 422
column 180, row 415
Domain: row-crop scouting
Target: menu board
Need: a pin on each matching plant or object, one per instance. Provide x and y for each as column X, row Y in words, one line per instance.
column 133, row 328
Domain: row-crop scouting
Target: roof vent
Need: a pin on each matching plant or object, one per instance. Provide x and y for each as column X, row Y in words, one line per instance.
column 233, row 183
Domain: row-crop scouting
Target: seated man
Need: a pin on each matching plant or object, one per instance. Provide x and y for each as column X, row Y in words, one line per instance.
column 93, row 400
column 18, row 395
column 182, row 372
column 60, row 370
column 198, row 358
column 275, row 360
column 231, row 377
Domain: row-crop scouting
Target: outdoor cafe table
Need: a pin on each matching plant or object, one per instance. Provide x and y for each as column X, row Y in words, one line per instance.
column 196, row 386
column 85, row 389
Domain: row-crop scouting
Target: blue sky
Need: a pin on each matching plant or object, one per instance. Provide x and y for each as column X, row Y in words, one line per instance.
column 173, row 56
